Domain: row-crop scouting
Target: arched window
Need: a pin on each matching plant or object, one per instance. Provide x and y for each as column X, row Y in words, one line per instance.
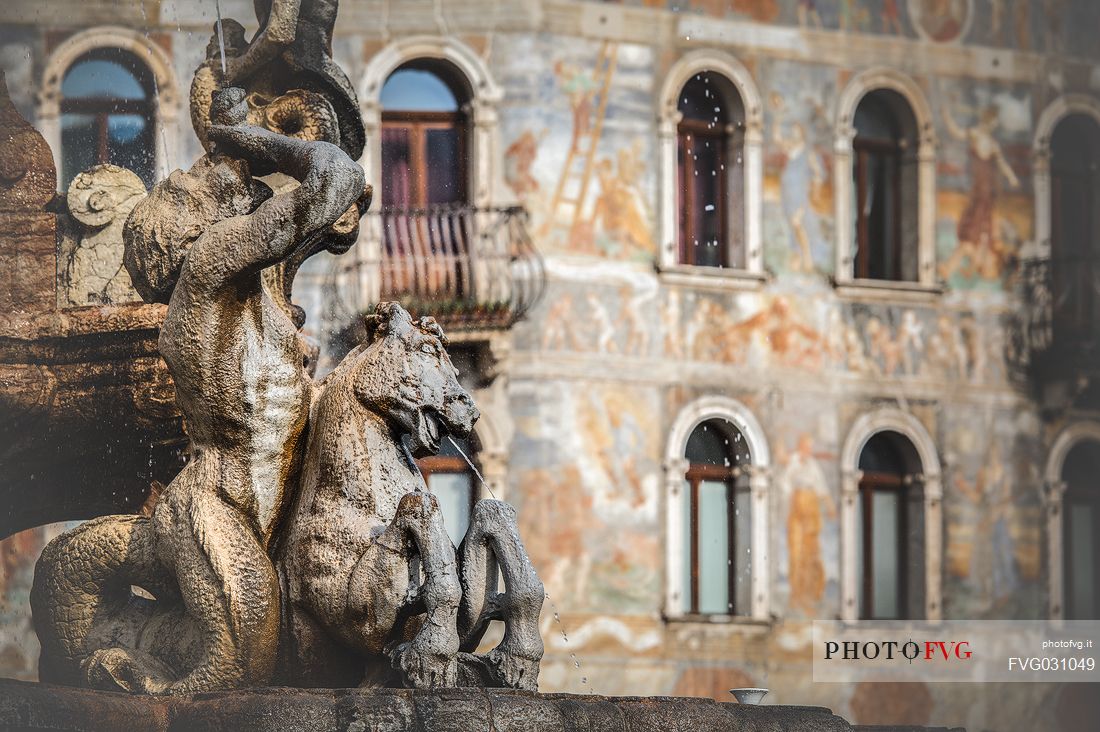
column 424, row 135
column 717, row 519
column 453, row 482
column 884, row 180
column 1081, row 531
column 889, row 530
column 710, row 169
column 108, row 111
column 1074, row 225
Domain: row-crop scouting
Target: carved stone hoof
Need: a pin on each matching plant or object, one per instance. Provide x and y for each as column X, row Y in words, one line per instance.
column 511, row 671
column 421, row 669
column 115, row 669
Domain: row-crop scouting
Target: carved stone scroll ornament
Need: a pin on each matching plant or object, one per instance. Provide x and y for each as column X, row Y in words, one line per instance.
column 90, row 268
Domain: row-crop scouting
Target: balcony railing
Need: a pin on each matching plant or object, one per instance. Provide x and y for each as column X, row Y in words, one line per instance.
column 471, row 268
column 1056, row 332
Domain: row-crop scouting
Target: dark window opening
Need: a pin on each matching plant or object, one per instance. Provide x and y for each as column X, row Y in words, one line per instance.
column 1075, row 233
column 717, row 522
column 1081, row 532
column 710, row 172
column 108, row 108
column 884, row 174
column 889, row 530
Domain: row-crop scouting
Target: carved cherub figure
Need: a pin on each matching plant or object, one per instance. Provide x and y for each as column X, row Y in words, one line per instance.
column 199, row 243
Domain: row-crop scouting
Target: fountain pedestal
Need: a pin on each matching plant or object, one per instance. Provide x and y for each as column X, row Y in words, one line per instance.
column 40, row 706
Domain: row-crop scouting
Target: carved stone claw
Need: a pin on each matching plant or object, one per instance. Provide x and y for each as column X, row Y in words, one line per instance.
column 116, row 669
column 512, row 671
column 424, row 668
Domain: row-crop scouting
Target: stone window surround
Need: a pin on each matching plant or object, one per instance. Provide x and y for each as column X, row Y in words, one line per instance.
column 486, row 95
column 1054, row 489
column 760, row 478
column 166, row 115
column 1053, row 114
column 857, row 87
column 929, row 482
column 668, row 117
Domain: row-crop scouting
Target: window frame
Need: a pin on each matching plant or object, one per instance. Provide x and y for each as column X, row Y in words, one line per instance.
column 695, row 475
column 923, row 475
column 102, row 108
column 688, row 130
column 418, row 124
column 862, row 151
column 1053, row 498
column 754, row 477
column 161, row 70
column 869, row 483
column 748, row 139
column 848, row 284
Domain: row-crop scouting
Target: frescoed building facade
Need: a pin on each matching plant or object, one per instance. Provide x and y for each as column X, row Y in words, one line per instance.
column 817, row 327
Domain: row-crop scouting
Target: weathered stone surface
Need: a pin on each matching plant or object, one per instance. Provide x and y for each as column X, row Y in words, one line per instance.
column 199, row 242
column 391, row 710
column 90, row 270
column 364, row 515
column 89, row 416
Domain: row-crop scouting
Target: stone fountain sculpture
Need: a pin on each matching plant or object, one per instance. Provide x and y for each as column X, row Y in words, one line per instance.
column 299, row 543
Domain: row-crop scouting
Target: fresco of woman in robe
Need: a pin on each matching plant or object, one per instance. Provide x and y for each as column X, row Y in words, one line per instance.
column 978, row 243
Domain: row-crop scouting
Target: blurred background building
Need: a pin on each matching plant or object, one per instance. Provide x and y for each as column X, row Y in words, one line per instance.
column 775, row 309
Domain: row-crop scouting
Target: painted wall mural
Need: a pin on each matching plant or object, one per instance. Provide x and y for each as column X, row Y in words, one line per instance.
column 982, row 194
column 1023, row 25
column 582, row 166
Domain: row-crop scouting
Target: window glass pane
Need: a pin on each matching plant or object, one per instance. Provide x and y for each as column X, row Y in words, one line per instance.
column 874, row 121
column 742, row 552
column 709, row 444
column 1082, row 562
column 685, row 560
column 713, row 548
column 101, row 79
column 414, row 90
column 454, row 492
column 708, row 97
column 881, row 455
column 79, row 145
column 130, row 144
column 444, row 168
column 396, row 167
column 706, row 171
column 884, row 532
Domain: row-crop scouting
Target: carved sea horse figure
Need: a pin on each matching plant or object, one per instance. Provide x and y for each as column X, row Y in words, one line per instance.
column 199, row 243
column 375, row 593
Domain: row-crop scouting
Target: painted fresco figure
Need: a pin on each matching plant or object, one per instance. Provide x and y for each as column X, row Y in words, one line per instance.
column 991, row 493
column 808, row 498
column 977, row 241
column 801, row 171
